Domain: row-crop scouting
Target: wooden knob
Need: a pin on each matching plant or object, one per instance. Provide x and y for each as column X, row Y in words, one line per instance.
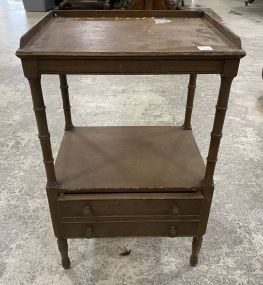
column 175, row 210
column 87, row 211
column 172, row 232
column 89, row 233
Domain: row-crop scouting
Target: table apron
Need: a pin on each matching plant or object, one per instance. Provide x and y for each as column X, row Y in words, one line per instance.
column 120, row 66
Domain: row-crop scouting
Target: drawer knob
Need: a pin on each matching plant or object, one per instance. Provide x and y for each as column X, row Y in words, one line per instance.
column 89, row 233
column 172, row 232
column 175, row 210
column 87, row 211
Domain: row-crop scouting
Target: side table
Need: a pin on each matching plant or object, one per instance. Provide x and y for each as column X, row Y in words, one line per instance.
column 129, row 181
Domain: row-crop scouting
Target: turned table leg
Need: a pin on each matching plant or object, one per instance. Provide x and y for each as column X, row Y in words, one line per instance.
column 43, row 132
column 216, row 133
column 66, row 103
column 189, row 103
column 196, row 246
column 63, row 249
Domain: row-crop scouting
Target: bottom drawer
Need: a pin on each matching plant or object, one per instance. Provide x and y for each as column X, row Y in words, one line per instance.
column 130, row 229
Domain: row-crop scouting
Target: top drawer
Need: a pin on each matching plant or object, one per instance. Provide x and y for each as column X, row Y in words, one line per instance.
column 126, row 204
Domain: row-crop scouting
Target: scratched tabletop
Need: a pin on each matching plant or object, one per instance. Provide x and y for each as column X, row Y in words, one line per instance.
column 128, row 33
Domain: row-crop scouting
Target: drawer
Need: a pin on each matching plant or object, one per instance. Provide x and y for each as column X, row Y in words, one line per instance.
column 129, row 229
column 123, row 204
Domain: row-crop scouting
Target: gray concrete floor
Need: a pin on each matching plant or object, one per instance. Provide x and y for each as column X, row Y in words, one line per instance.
column 232, row 251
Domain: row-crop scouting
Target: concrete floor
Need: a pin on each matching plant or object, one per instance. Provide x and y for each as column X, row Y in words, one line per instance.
column 232, row 251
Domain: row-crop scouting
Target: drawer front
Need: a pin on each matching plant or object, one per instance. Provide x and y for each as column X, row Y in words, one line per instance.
column 130, row 229
column 96, row 205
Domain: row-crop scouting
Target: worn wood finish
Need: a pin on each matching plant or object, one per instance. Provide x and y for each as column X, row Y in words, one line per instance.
column 129, row 159
column 135, row 228
column 220, row 27
column 190, row 101
column 63, row 248
column 208, row 192
column 44, row 136
column 162, row 205
column 52, row 195
column 130, row 14
column 36, row 29
column 159, row 38
column 216, row 133
column 122, row 65
column 66, row 103
column 196, row 246
column 129, row 181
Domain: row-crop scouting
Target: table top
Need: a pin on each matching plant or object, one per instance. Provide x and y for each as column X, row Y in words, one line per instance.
column 130, row 33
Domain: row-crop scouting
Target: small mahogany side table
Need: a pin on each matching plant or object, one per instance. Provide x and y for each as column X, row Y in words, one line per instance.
column 129, row 181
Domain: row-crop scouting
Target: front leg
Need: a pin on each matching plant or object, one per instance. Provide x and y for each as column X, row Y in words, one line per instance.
column 196, row 246
column 63, row 248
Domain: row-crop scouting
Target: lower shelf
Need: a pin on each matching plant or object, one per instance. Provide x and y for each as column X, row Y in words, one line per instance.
column 129, row 159
column 129, row 229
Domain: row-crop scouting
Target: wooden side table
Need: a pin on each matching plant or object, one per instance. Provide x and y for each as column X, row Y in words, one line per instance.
column 129, row 181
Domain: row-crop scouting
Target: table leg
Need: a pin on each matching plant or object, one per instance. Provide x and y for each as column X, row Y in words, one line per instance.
column 216, row 133
column 196, row 246
column 44, row 136
column 63, row 249
column 66, row 103
column 189, row 103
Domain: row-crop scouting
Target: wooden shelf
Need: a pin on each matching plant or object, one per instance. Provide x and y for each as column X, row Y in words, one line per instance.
column 129, row 159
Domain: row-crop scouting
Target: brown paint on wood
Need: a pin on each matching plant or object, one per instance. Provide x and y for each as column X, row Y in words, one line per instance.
column 147, row 36
column 196, row 246
column 153, row 228
column 63, row 248
column 190, row 101
column 122, row 204
column 66, row 103
column 129, row 159
column 129, row 181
